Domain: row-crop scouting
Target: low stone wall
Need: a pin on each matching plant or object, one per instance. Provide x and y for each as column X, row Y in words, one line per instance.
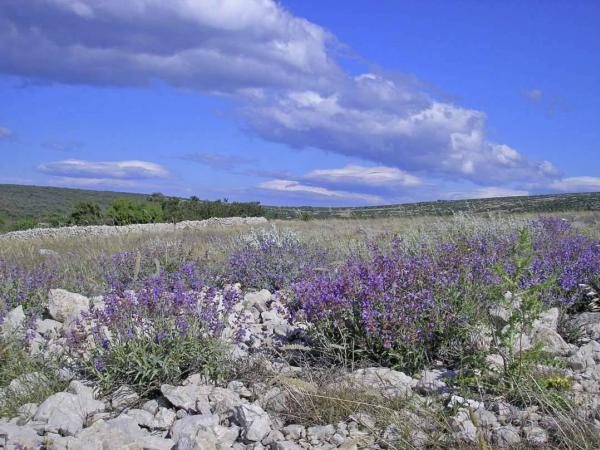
column 108, row 230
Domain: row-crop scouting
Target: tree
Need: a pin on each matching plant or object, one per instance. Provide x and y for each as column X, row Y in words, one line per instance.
column 156, row 197
column 86, row 213
column 126, row 211
column 25, row 224
column 171, row 209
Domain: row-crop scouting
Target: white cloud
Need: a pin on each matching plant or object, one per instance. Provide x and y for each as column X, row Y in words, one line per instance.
column 209, row 45
column 576, row 184
column 362, row 175
column 296, row 187
column 74, row 168
column 392, row 122
column 5, row 133
column 93, row 182
column 280, row 68
column 487, row 192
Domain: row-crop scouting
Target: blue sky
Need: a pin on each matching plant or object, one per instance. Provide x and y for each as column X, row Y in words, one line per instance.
column 302, row 102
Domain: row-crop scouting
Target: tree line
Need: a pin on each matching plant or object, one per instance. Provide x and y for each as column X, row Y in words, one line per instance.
column 154, row 209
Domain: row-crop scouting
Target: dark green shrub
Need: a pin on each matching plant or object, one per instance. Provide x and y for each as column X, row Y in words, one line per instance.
column 126, row 211
column 24, row 224
column 306, row 216
column 86, row 213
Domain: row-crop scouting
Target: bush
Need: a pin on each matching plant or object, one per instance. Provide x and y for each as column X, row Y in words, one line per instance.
column 147, row 361
column 561, row 252
column 126, row 211
column 25, row 286
column 164, row 331
column 272, row 259
column 404, row 307
column 393, row 308
column 86, row 213
column 177, row 209
column 24, row 224
column 57, row 220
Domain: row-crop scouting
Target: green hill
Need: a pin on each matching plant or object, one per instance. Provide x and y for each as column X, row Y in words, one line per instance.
column 18, row 202
column 535, row 203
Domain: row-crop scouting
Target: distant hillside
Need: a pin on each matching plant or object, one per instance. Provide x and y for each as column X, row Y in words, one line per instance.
column 534, row 203
column 18, row 202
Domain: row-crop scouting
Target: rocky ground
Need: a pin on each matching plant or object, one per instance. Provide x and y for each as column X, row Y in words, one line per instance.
column 108, row 230
column 261, row 411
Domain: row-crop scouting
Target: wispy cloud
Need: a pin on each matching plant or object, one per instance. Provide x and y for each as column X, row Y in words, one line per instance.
column 221, row 161
column 577, row 184
column 535, row 95
column 486, row 192
column 363, row 175
column 291, row 186
column 75, row 168
column 261, row 173
column 549, row 104
column 64, row 146
column 93, row 182
column 5, row 133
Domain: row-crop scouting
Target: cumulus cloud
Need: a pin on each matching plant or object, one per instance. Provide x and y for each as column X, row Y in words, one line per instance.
column 5, row 133
column 217, row 160
column 362, row 175
column 123, row 170
column 378, row 119
column 281, row 69
column 209, row 45
column 296, row 187
column 577, row 184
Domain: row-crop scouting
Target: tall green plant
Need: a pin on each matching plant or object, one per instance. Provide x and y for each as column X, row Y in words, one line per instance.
column 522, row 305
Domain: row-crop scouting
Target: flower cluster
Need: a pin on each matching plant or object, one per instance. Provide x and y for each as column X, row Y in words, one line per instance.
column 164, row 305
column 399, row 302
column 562, row 252
column 272, row 259
column 24, row 286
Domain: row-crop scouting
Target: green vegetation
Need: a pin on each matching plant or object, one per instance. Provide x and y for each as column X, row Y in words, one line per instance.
column 30, row 206
column 530, row 204
column 18, row 202
column 24, row 207
column 86, row 213
column 144, row 363
column 445, row 274
column 177, row 209
column 37, row 377
column 125, row 211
